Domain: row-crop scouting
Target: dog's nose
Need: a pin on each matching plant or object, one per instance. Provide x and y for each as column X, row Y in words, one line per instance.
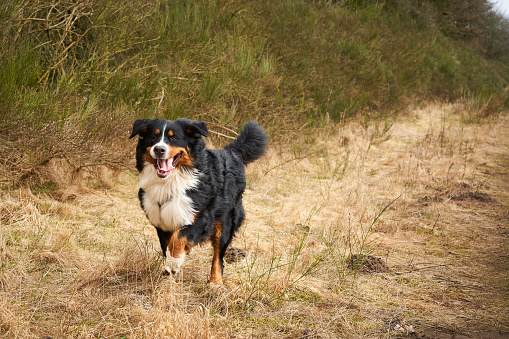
column 159, row 151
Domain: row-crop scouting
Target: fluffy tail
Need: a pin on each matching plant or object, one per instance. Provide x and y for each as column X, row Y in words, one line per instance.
column 251, row 143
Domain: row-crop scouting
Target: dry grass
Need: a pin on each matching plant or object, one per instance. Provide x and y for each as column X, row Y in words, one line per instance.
column 425, row 192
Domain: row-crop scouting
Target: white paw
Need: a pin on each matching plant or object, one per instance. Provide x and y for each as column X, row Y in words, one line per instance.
column 217, row 287
column 174, row 264
column 166, row 270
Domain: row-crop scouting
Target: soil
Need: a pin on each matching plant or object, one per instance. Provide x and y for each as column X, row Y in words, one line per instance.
column 234, row 254
column 367, row 264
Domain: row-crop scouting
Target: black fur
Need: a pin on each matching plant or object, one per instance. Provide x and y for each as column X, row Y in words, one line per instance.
column 222, row 180
column 250, row 144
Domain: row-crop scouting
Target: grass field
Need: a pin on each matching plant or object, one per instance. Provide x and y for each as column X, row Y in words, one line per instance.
column 421, row 198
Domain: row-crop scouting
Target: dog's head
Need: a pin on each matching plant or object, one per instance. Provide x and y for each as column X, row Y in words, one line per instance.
column 166, row 144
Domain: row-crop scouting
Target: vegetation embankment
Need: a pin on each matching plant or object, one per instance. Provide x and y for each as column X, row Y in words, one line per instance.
column 74, row 75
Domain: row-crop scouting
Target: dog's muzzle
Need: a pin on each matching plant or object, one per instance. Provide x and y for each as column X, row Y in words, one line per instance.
column 162, row 163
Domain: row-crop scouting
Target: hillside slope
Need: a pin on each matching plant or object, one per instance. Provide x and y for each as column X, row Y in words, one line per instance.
column 93, row 67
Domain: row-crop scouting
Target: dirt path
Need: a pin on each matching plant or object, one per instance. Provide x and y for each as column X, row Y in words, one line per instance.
column 463, row 225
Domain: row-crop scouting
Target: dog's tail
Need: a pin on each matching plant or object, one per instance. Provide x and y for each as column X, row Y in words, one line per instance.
column 251, row 143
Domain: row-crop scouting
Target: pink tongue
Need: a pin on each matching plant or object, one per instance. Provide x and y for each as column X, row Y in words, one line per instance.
column 165, row 165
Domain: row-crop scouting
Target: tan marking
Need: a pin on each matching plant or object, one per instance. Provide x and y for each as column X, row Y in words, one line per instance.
column 215, row 271
column 144, row 129
column 148, row 157
column 178, row 246
column 158, row 131
column 185, row 159
column 170, row 133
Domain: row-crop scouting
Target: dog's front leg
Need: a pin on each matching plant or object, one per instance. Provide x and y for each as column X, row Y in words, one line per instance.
column 176, row 252
column 216, row 271
column 199, row 232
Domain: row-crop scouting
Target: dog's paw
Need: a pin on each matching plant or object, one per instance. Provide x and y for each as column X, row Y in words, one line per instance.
column 173, row 265
column 169, row 270
column 217, row 287
column 166, row 270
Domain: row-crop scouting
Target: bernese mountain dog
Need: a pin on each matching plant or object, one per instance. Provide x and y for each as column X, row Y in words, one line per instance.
column 190, row 193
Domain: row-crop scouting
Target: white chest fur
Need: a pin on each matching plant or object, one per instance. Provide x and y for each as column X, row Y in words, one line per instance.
column 165, row 201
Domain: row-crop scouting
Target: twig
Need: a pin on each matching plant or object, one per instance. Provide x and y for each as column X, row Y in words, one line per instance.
column 287, row 161
column 221, row 134
column 421, row 268
column 226, row 128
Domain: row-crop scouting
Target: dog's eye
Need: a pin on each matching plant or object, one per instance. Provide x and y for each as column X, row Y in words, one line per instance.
column 173, row 138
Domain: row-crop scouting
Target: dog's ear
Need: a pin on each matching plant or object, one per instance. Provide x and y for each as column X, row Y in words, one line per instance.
column 140, row 126
column 193, row 127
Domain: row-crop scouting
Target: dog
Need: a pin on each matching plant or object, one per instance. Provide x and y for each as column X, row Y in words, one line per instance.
column 190, row 193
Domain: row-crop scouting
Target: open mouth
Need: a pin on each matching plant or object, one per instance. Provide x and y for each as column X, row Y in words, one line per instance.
column 164, row 166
